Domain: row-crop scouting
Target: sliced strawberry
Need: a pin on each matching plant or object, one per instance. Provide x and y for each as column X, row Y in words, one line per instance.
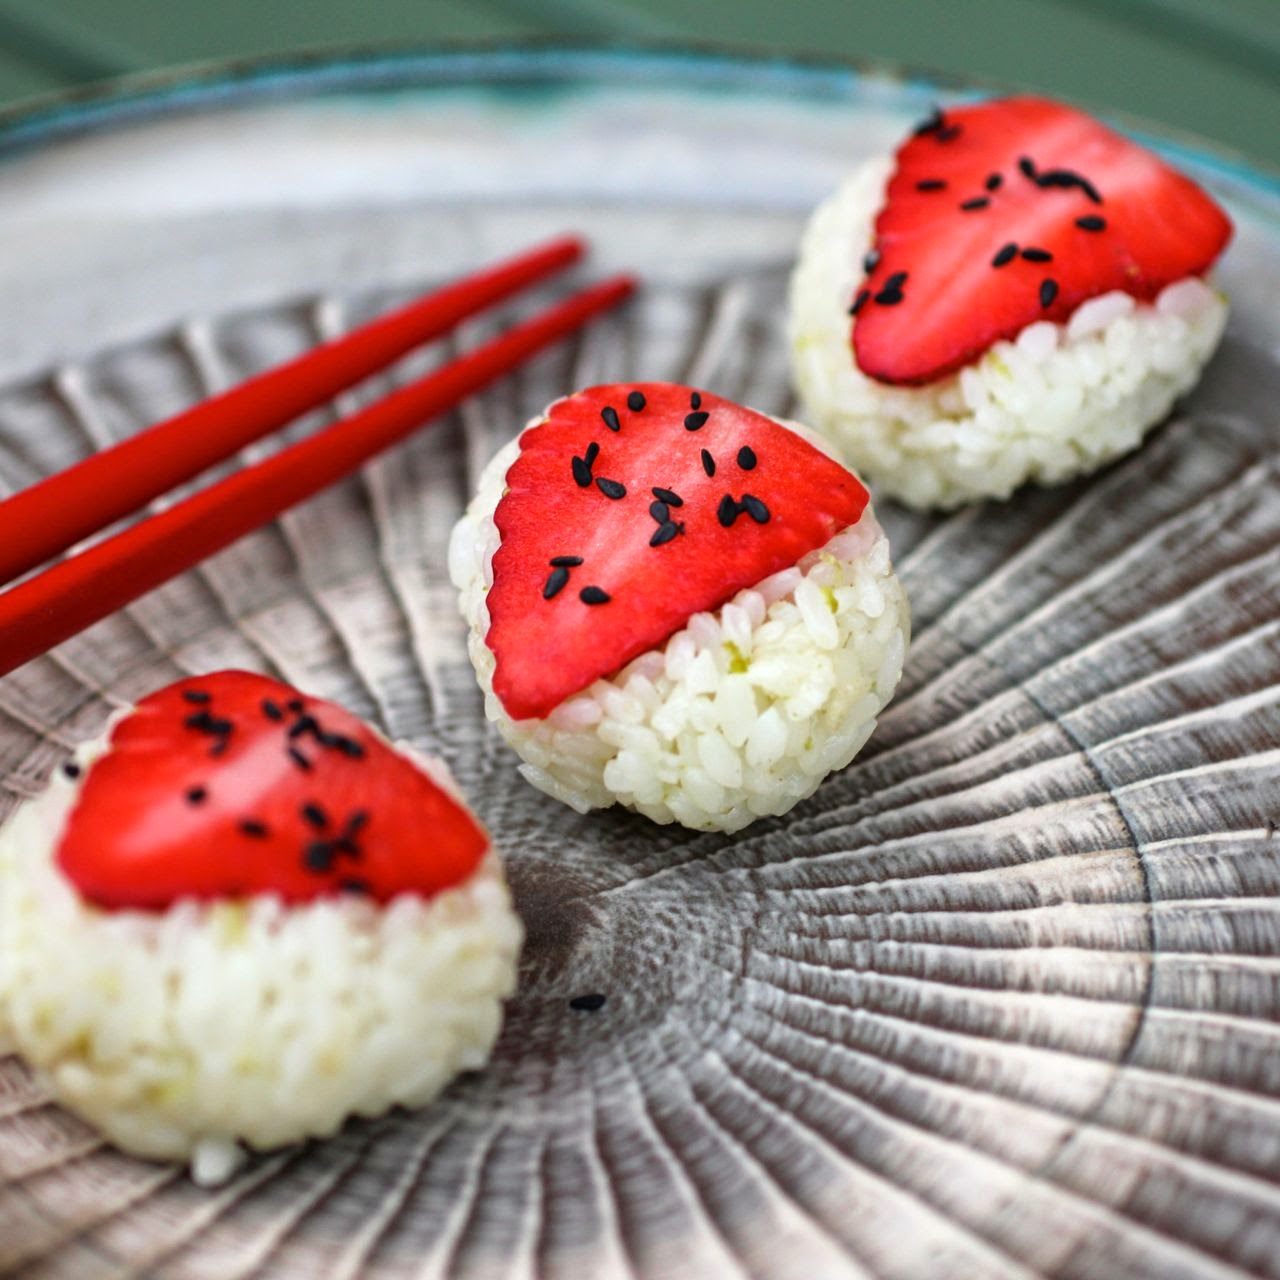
column 231, row 784
column 632, row 508
column 1013, row 211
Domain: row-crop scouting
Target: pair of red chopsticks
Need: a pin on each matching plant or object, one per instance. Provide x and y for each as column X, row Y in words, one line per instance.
column 55, row 514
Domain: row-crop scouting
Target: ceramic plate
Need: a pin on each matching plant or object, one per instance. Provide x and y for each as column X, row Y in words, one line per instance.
column 1001, row 1000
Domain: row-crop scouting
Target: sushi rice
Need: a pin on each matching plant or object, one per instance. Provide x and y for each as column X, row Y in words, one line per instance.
column 741, row 713
column 1057, row 402
column 183, row 1034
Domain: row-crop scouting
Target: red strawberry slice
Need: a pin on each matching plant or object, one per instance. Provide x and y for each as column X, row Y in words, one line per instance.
column 632, row 508
column 232, row 784
column 1013, row 211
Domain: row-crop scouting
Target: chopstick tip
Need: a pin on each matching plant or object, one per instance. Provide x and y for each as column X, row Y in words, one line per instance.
column 570, row 247
column 625, row 283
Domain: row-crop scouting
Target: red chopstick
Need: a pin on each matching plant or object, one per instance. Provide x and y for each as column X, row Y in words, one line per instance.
column 49, row 517
column 44, row 610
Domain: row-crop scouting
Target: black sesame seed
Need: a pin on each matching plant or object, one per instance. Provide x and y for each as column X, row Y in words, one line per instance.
column 669, row 496
column 555, row 583
column 360, row 888
column 978, row 202
column 1006, row 255
column 728, row 511
column 747, row 458
column 636, row 401
column 1091, row 222
column 318, row 856
column 312, row 813
column 1037, row 255
column 664, row 533
column 203, row 722
column 357, row 820
column 660, row 512
column 303, row 725
column 565, row 562
column 696, row 421
column 695, row 400
column 196, row 795
column 611, row 488
column 871, row 260
column 589, row 1003
column 348, row 746
column 949, row 133
column 581, row 472
column 708, row 463
column 593, row 452
column 994, row 181
column 889, row 297
column 931, row 184
column 610, row 416
column 272, row 710
column 930, row 124
column 198, row 696
column 1062, row 178
column 860, row 301
column 896, row 281
column 593, row 595
column 252, row 827
column 71, row 769
column 295, row 705
column 299, row 759
column 1048, row 291
column 1068, row 178
column 755, row 508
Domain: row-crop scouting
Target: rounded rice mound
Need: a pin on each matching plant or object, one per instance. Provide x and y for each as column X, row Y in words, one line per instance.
column 1057, row 402
column 184, row 1033
column 740, row 714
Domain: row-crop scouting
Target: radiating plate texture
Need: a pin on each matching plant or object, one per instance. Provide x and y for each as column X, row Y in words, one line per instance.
column 1001, row 1000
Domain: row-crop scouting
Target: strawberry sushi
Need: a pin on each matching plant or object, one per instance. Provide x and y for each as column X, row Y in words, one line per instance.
column 1017, row 295
column 241, row 916
column 678, row 605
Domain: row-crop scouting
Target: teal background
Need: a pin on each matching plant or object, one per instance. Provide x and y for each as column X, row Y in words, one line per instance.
column 1211, row 67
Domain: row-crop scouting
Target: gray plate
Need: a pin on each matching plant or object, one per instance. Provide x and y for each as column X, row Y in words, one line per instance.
column 1000, row 1000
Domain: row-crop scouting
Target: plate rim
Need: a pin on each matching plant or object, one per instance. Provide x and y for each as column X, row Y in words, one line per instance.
column 36, row 122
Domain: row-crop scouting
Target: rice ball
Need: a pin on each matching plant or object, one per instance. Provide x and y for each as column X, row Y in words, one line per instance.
column 1005, row 328
column 740, row 707
column 223, row 1021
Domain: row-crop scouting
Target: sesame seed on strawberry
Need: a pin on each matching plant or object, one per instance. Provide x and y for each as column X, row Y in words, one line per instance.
column 1109, row 213
column 259, row 790
column 633, row 584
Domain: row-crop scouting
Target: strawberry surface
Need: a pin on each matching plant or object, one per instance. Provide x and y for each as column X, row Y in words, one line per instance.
column 1008, row 212
column 633, row 507
column 232, row 784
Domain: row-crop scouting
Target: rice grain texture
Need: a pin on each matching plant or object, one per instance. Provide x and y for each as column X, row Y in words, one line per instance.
column 1058, row 402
